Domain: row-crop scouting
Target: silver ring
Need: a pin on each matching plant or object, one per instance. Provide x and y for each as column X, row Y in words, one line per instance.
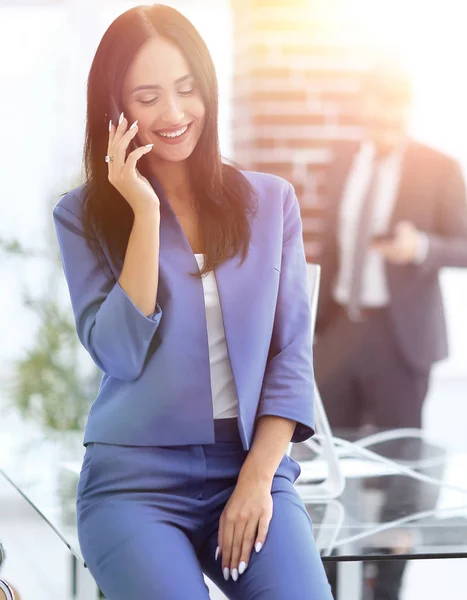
column 108, row 158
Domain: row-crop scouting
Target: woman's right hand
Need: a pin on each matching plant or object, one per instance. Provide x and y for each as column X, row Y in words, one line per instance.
column 124, row 175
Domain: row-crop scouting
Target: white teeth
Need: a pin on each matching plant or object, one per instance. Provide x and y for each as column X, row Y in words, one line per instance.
column 173, row 134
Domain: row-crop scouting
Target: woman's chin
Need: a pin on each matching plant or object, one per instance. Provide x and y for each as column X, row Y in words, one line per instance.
column 171, row 154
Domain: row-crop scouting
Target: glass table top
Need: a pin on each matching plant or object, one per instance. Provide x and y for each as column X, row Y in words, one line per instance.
column 381, row 514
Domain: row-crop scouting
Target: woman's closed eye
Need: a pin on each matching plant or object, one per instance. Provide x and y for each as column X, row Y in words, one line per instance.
column 187, row 92
column 148, row 102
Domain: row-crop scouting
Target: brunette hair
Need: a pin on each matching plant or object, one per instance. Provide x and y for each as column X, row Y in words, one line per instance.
column 224, row 197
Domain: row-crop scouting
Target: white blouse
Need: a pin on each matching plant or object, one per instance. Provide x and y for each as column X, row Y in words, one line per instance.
column 224, row 395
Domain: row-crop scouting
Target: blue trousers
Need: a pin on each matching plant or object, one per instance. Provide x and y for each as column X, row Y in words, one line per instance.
column 148, row 521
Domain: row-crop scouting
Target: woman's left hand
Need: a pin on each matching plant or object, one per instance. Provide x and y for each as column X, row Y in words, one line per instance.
column 244, row 523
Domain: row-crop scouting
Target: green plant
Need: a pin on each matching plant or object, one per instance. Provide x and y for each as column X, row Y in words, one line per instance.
column 49, row 384
column 14, row 248
column 54, row 382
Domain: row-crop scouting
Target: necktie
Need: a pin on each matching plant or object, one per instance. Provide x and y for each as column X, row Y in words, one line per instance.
column 362, row 239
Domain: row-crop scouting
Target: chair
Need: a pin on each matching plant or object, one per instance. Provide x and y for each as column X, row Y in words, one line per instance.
column 333, row 485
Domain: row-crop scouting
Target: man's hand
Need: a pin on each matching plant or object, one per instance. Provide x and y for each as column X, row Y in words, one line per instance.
column 404, row 248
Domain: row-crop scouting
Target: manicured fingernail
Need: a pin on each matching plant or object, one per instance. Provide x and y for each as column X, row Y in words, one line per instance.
column 134, row 124
column 258, row 546
column 234, row 574
column 217, row 553
column 110, row 125
column 120, row 121
column 226, row 573
column 242, row 567
column 149, row 146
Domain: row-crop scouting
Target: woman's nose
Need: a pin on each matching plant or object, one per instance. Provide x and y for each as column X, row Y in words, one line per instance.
column 173, row 113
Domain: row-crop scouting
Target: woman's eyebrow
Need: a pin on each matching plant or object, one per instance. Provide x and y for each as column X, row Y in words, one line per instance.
column 159, row 87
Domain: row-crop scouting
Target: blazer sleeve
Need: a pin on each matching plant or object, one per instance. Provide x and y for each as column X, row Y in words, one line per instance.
column 288, row 386
column 109, row 325
column 447, row 247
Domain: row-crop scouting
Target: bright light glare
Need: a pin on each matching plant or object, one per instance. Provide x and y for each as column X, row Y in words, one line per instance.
column 430, row 41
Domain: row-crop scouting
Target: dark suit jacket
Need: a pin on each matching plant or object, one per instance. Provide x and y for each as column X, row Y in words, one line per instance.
column 432, row 196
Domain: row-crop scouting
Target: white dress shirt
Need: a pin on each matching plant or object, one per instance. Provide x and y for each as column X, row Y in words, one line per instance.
column 224, row 394
column 375, row 292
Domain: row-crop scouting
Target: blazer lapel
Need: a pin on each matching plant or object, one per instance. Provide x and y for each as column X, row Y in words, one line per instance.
column 405, row 206
column 234, row 317
column 176, row 264
column 244, row 291
column 172, row 237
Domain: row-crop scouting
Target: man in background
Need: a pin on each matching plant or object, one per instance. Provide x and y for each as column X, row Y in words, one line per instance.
column 396, row 213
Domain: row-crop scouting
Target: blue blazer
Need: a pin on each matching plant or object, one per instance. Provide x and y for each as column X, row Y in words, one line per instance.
column 156, row 388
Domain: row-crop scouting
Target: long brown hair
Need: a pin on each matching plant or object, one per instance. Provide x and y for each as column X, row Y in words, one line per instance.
column 223, row 195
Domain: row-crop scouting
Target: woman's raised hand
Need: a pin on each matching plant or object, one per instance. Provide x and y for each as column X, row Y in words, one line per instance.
column 123, row 174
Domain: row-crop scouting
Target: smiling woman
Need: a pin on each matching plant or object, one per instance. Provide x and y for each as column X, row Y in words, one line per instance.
column 170, row 112
column 203, row 335
column 153, row 67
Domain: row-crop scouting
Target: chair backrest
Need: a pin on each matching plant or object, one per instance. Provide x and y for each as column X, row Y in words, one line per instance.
column 333, row 485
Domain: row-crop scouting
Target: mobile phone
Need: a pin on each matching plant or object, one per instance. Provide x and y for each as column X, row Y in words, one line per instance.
column 115, row 113
column 382, row 238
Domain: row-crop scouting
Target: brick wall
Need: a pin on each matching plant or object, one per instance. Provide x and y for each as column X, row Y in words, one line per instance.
column 295, row 81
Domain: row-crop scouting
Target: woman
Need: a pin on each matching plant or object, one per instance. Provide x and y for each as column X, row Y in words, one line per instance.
column 185, row 469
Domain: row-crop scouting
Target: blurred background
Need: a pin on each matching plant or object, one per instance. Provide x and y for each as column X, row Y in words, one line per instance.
column 289, row 78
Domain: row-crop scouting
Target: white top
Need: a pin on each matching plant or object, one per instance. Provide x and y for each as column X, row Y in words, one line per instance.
column 375, row 290
column 224, row 395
